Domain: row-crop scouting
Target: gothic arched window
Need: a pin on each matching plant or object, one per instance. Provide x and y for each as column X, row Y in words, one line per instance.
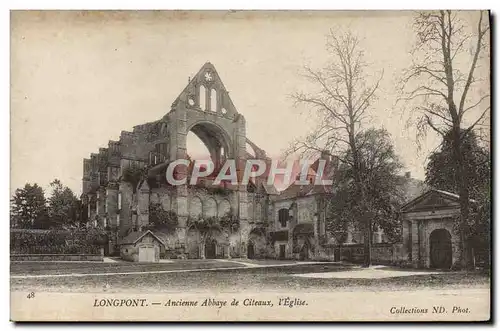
column 283, row 217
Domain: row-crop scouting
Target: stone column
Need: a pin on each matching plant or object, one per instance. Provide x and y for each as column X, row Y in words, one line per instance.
column 101, row 203
column 414, row 243
column 316, row 218
column 424, row 245
column 239, row 153
column 289, row 251
column 112, row 207
column 207, row 98
column 143, row 204
column 127, row 219
column 177, row 146
column 112, row 202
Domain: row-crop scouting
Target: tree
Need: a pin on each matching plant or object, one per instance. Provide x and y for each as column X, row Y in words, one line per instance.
column 441, row 174
column 380, row 168
column 28, row 208
column 441, row 79
column 63, row 205
column 341, row 102
column 133, row 175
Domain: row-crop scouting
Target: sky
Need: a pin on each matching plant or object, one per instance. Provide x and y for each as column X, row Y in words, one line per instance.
column 79, row 79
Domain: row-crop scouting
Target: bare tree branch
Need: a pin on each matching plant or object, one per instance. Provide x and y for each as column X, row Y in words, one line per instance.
column 480, row 34
column 441, row 38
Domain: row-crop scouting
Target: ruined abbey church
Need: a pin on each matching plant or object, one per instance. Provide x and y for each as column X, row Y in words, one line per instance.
column 123, row 182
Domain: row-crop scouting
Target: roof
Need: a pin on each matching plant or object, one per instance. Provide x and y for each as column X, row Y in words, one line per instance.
column 199, row 77
column 427, row 195
column 293, row 191
column 162, row 236
column 134, row 237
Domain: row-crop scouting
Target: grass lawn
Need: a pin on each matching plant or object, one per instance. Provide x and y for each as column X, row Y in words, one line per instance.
column 268, row 262
column 276, row 278
column 51, row 268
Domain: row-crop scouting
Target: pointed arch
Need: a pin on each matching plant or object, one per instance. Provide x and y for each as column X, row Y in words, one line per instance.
column 213, row 100
column 203, row 98
column 251, row 207
column 195, row 207
column 224, row 207
column 258, row 211
column 210, row 208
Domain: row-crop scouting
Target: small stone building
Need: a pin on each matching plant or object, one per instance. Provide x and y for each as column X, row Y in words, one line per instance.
column 429, row 239
column 141, row 246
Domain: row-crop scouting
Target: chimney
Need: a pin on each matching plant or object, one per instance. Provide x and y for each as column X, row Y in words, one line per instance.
column 408, row 174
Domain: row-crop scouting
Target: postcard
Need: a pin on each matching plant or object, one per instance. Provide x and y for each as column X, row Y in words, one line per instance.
column 250, row 166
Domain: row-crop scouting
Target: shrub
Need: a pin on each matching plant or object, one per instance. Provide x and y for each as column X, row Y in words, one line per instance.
column 56, row 242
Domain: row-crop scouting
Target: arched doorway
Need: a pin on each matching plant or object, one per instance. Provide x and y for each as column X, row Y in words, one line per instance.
column 251, row 250
column 216, row 243
column 441, row 249
column 257, row 243
column 210, row 248
column 304, row 251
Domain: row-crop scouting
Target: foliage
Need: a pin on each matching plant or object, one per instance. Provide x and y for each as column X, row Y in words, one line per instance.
column 441, row 174
column 162, row 219
column 441, row 171
column 28, row 208
column 133, row 175
column 341, row 213
column 480, row 232
column 218, row 190
column 77, row 241
column 64, row 206
column 227, row 222
column 212, row 221
column 384, row 188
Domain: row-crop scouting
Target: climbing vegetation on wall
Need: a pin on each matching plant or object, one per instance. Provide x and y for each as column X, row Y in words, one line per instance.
column 162, row 219
column 227, row 222
column 133, row 175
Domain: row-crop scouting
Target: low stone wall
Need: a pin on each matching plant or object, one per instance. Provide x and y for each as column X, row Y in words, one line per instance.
column 383, row 253
column 380, row 253
column 56, row 257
